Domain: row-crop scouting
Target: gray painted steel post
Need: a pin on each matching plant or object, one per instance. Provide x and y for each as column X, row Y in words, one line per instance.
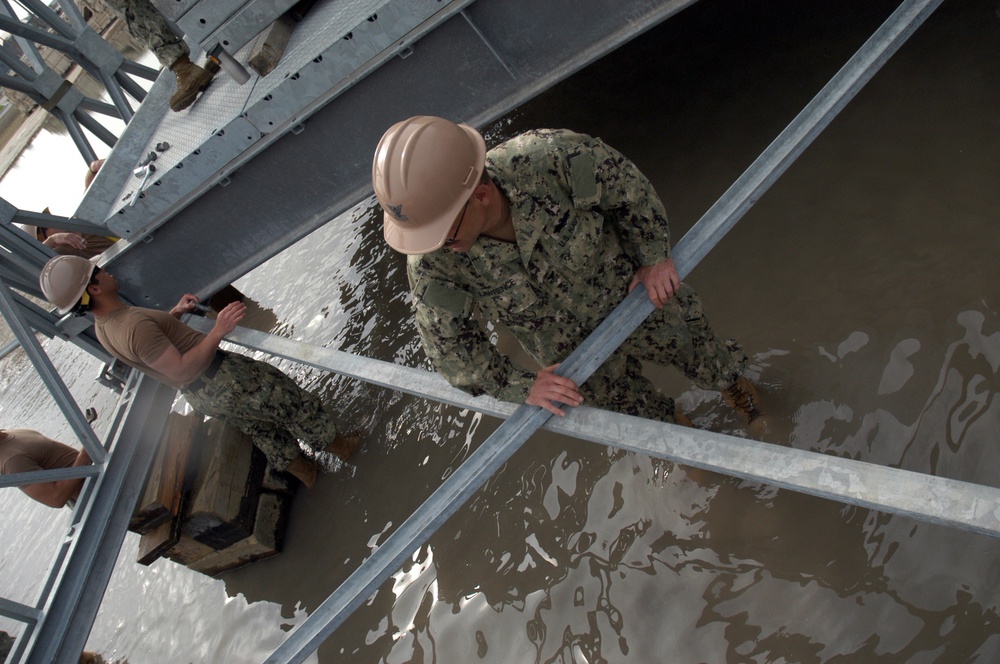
column 446, row 500
column 69, row 611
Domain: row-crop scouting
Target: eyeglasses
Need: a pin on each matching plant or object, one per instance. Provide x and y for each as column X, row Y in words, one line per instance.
column 93, row 275
column 454, row 236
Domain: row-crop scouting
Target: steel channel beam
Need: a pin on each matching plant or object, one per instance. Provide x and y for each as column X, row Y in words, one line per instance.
column 69, row 611
column 321, row 168
column 507, row 439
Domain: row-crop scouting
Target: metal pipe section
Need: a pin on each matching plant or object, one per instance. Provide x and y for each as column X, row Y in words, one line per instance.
column 51, row 18
column 307, row 636
column 131, row 87
column 116, row 95
column 96, row 128
column 956, row 504
column 97, row 106
column 140, row 70
column 15, row 27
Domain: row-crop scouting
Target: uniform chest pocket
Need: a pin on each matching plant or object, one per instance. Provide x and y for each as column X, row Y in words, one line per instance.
column 577, row 242
column 441, row 307
column 510, row 298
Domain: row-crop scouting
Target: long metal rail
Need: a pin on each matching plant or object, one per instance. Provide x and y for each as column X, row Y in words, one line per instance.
column 507, row 439
column 953, row 503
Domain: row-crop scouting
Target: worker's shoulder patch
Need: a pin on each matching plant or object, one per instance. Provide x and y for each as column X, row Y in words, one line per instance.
column 441, row 295
column 583, row 179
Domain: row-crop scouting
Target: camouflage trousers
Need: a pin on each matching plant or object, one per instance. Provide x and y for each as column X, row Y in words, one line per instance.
column 679, row 335
column 147, row 25
column 267, row 405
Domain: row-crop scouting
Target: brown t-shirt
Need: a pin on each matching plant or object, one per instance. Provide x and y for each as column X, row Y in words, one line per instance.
column 138, row 337
column 25, row 450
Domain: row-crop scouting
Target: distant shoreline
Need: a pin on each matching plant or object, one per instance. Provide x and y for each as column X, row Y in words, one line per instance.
column 19, row 132
column 17, row 136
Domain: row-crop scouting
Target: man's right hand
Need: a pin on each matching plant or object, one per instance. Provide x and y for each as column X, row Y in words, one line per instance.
column 549, row 389
column 230, row 317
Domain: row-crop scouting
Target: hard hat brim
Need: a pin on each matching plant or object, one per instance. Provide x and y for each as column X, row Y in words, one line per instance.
column 431, row 237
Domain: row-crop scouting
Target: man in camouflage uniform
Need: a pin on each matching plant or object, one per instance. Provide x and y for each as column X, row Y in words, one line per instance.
column 546, row 233
column 147, row 25
column 288, row 424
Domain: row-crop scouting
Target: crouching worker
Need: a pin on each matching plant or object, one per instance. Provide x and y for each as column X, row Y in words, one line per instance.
column 288, row 424
column 546, row 233
column 26, row 450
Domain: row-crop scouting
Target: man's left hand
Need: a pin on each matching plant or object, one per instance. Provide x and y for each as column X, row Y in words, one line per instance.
column 185, row 305
column 661, row 281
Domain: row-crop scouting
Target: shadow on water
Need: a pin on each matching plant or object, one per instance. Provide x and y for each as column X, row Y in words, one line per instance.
column 861, row 286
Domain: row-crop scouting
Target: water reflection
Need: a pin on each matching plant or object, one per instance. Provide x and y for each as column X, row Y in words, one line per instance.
column 576, row 553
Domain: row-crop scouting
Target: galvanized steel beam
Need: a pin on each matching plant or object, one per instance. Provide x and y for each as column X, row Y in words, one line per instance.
column 69, row 611
column 512, row 50
column 939, row 500
column 50, row 377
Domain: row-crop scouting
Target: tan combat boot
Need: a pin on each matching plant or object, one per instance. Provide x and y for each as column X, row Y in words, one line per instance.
column 683, row 420
column 345, row 444
column 303, row 470
column 191, row 79
column 743, row 398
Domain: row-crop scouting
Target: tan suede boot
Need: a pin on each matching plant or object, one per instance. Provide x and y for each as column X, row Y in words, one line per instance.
column 682, row 419
column 191, row 79
column 742, row 396
column 303, row 470
column 345, row 444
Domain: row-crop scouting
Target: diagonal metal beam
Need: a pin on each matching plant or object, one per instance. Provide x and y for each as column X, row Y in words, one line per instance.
column 68, row 613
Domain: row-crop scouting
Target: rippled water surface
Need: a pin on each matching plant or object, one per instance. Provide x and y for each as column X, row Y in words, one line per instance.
column 863, row 284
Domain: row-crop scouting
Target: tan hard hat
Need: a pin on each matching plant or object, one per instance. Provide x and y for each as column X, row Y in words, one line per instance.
column 64, row 281
column 424, row 171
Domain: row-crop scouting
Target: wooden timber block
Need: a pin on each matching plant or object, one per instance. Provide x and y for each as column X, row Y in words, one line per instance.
column 270, row 45
column 265, row 541
column 223, row 502
column 187, row 550
column 161, row 499
column 156, row 542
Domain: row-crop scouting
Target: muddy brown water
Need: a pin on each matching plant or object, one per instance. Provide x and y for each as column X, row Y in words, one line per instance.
column 863, row 285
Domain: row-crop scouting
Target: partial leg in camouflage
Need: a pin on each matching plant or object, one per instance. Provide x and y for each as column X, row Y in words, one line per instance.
column 147, row 25
column 679, row 334
column 267, row 405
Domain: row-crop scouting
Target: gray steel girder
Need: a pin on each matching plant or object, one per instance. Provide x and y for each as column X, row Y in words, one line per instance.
column 473, row 67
